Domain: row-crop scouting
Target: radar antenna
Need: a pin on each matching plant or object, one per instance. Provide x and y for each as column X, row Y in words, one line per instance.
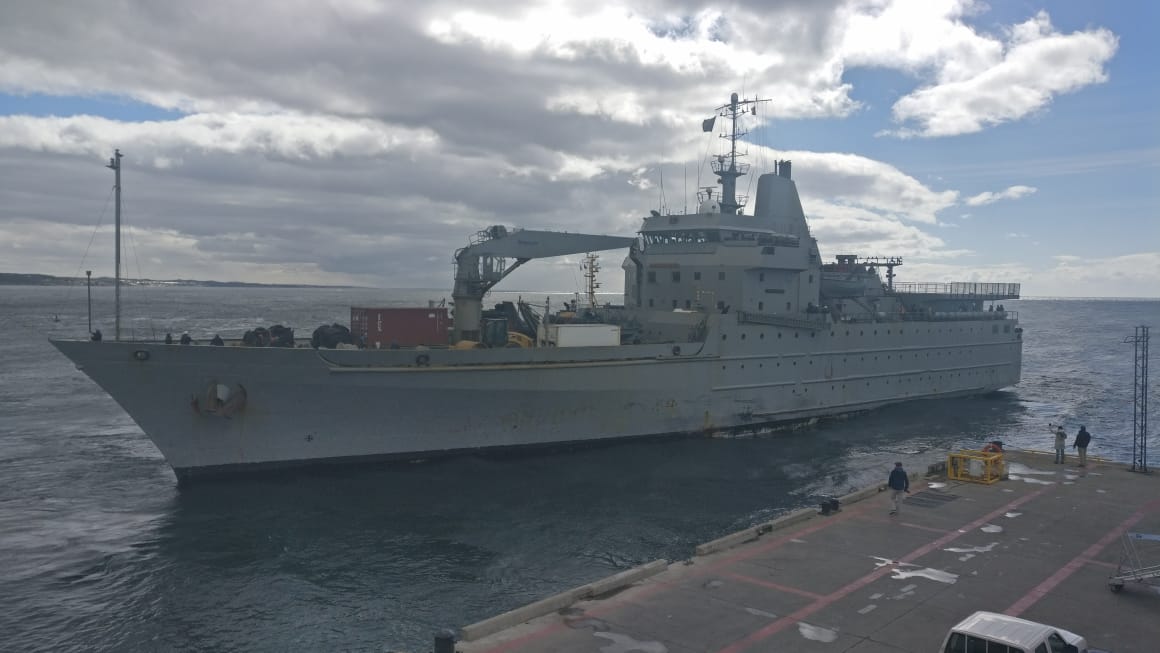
column 725, row 165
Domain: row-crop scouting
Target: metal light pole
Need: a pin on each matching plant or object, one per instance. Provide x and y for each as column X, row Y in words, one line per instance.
column 115, row 165
column 89, row 290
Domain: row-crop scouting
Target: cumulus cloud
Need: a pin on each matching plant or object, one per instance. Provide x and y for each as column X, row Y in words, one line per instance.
column 364, row 142
column 995, row 82
column 988, row 197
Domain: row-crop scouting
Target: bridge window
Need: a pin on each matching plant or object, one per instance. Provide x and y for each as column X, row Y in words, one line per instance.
column 676, row 276
column 761, row 306
column 696, row 276
column 761, row 276
column 652, row 276
column 674, row 303
column 688, row 304
column 721, row 276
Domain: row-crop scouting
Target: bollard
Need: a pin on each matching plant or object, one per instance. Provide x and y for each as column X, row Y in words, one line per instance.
column 829, row 506
column 445, row 641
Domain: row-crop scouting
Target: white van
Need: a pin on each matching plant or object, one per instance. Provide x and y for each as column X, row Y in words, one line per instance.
column 989, row 632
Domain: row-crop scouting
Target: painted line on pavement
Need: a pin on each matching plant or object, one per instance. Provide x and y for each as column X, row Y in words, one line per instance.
column 799, row 615
column 1043, row 589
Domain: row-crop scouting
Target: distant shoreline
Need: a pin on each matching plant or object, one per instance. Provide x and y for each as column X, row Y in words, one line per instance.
column 19, row 279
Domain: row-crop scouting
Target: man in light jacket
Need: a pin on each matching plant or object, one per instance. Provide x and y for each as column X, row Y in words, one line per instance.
column 1060, row 444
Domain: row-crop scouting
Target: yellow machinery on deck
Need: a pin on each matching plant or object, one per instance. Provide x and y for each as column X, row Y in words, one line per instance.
column 976, row 466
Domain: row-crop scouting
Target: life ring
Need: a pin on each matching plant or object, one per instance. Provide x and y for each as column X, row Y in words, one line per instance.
column 422, row 360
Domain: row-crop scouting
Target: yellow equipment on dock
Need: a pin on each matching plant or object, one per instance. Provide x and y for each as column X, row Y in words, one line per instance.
column 976, row 466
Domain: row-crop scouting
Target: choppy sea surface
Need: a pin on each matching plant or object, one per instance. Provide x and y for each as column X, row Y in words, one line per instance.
column 100, row 550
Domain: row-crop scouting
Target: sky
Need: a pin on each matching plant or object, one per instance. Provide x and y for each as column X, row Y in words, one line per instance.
column 360, row 142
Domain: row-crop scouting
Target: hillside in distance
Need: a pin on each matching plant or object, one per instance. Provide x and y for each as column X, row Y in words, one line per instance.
column 24, row 279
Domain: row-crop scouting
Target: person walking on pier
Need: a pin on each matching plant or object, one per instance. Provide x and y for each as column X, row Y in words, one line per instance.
column 899, row 484
column 1082, row 439
column 1060, row 443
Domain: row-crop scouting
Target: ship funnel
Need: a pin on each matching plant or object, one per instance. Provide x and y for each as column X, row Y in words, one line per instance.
column 783, row 169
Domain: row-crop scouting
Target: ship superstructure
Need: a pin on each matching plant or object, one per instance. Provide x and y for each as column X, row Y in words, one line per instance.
column 730, row 322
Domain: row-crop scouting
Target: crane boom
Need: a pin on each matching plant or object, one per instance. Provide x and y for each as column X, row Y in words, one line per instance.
column 483, row 263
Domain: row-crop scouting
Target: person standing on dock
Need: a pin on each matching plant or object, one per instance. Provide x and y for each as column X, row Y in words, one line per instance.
column 899, row 484
column 1060, row 443
column 1082, row 439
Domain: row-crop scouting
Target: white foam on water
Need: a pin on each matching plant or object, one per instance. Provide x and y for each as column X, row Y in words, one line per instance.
column 817, row 633
column 1020, row 468
column 972, row 549
column 882, row 562
column 964, row 558
column 761, row 613
column 928, row 573
column 868, row 609
column 1095, row 473
column 797, row 541
column 624, row 644
column 1007, row 489
column 909, row 588
column 991, row 528
column 1102, row 491
column 936, row 486
column 1070, row 477
column 876, row 596
column 1025, row 479
column 1069, row 482
column 1012, row 515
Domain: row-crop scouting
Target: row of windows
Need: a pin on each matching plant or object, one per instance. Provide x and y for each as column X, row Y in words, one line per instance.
column 676, row 276
column 698, row 237
column 652, row 276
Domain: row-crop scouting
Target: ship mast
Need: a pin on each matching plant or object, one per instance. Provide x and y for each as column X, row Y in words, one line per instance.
column 115, row 165
column 591, row 267
column 726, row 166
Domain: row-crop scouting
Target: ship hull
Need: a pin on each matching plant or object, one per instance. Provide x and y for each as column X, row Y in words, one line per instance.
column 302, row 407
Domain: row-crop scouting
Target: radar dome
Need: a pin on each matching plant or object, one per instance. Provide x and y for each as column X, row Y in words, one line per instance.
column 709, row 206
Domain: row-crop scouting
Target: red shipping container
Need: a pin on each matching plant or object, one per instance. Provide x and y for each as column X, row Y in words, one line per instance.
column 406, row 327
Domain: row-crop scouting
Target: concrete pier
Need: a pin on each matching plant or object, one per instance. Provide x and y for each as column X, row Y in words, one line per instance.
column 1040, row 545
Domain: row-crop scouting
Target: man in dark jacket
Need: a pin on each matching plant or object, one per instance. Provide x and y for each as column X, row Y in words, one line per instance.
column 1082, row 439
column 899, row 484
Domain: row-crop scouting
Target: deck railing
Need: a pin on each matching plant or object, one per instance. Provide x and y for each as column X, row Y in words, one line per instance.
column 960, row 289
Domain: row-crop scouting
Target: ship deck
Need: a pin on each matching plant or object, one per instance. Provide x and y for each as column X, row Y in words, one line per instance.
column 1040, row 545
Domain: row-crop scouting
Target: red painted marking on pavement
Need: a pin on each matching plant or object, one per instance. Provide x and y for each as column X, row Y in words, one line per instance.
column 772, row 585
column 802, row 613
column 1043, row 589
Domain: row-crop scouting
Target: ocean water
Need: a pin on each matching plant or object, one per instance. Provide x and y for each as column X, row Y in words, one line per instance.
column 99, row 549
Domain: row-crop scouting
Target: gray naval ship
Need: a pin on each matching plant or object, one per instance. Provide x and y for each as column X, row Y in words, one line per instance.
column 731, row 323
